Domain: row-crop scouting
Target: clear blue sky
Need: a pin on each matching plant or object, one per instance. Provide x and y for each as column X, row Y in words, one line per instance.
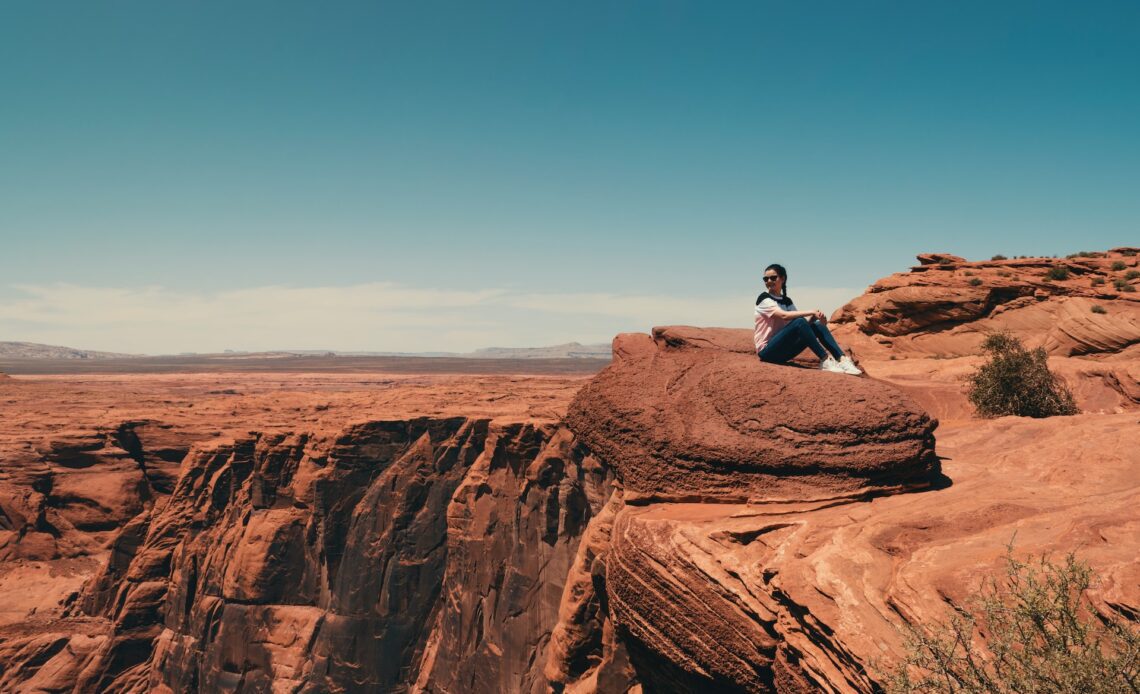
column 660, row 151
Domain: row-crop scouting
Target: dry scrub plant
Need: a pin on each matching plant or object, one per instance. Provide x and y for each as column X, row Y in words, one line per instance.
column 1033, row 631
column 1017, row 381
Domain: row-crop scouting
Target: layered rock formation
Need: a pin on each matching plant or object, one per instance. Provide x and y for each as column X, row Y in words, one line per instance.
column 679, row 422
column 685, row 416
column 358, row 558
column 946, row 305
column 922, row 330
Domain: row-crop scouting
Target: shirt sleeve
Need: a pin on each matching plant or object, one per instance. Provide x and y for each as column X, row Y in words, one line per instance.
column 766, row 307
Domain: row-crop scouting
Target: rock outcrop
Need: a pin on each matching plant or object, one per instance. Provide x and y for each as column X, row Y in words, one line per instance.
column 946, row 306
column 692, row 416
column 678, row 422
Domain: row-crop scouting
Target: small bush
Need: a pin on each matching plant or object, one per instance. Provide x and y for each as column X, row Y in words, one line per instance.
column 1004, row 273
column 998, row 257
column 1128, row 253
column 1097, row 281
column 1123, row 286
column 1017, row 381
column 1098, row 309
column 976, row 282
column 1118, row 265
column 1057, row 272
column 1132, row 274
column 1033, row 631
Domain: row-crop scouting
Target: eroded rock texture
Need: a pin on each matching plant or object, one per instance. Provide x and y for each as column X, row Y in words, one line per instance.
column 427, row 552
column 679, row 421
column 430, row 550
column 802, row 593
column 946, row 305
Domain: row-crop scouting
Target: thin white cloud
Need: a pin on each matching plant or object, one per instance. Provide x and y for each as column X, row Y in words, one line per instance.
column 369, row 317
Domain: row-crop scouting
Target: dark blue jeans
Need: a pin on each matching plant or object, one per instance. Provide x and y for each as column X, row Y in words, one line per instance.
column 795, row 336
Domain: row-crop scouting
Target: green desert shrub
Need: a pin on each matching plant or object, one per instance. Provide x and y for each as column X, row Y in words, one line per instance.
column 1123, row 286
column 998, row 257
column 1097, row 308
column 1097, row 281
column 1034, row 630
column 1118, row 265
column 1057, row 272
column 1017, row 381
column 975, row 282
column 1132, row 274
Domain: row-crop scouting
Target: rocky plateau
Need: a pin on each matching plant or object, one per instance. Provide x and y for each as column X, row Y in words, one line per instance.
column 688, row 519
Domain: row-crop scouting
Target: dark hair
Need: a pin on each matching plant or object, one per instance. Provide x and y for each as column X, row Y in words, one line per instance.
column 781, row 272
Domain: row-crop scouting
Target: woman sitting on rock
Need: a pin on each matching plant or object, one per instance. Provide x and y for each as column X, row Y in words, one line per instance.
column 782, row 331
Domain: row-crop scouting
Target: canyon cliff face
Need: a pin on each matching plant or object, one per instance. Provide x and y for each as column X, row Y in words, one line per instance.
column 690, row 519
column 390, row 552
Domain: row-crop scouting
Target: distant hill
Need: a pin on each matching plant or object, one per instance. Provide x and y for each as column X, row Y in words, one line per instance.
column 32, row 350
column 570, row 350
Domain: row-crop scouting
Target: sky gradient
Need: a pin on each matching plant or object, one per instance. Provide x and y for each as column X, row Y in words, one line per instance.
column 452, row 175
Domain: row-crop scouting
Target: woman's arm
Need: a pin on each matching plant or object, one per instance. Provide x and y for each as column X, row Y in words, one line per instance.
column 789, row 315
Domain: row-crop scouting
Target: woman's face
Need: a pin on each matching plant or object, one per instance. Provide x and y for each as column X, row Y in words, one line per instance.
column 773, row 283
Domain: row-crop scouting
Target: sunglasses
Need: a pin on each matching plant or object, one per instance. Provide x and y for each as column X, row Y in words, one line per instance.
column 770, row 278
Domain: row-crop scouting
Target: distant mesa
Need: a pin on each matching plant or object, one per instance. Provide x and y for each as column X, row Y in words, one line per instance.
column 32, row 350
column 570, row 350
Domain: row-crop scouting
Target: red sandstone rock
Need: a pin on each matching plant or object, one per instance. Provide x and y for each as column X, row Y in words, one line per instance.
column 947, row 310
column 681, row 422
column 939, row 259
column 274, row 550
column 794, row 598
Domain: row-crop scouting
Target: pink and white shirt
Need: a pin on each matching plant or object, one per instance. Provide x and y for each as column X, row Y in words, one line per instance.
column 767, row 324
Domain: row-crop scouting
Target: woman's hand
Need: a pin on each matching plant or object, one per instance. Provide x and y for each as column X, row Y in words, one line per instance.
column 819, row 316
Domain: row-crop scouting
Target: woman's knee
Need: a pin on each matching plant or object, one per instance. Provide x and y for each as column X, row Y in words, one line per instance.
column 800, row 324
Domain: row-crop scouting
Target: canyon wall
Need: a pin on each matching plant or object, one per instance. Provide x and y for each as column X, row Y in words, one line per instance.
column 391, row 552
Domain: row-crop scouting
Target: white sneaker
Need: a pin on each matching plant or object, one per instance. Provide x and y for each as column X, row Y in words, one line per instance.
column 848, row 366
column 831, row 365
